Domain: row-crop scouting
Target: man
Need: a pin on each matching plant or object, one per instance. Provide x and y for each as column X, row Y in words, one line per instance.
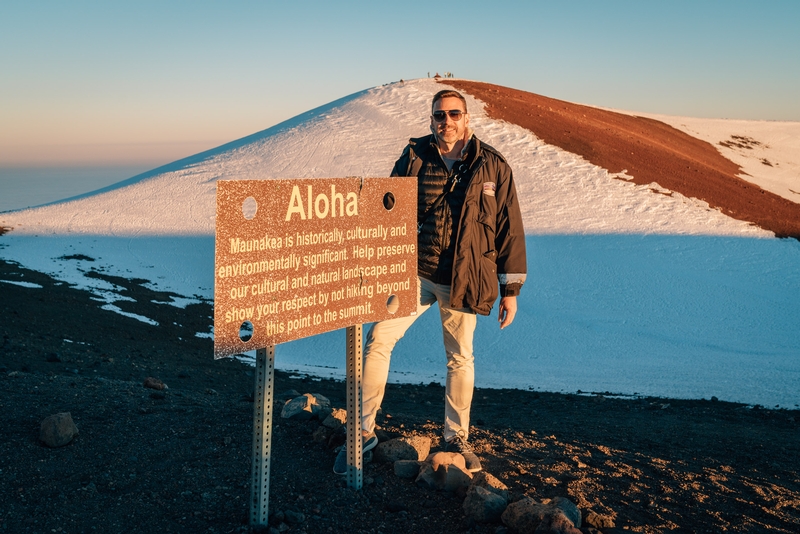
column 470, row 241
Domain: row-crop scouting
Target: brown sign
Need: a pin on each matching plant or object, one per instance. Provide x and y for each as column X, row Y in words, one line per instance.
column 295, row 258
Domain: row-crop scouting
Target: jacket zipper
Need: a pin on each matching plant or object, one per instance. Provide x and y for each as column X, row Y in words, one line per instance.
column 473, row 171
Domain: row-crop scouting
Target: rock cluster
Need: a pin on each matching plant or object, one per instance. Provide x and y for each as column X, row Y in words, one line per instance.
column 485, row 498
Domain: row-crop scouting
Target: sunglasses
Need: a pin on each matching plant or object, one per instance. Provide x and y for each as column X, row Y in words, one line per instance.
column 454, row 114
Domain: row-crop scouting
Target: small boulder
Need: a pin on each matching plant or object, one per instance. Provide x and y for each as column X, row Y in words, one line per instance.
column 568, row 508
column 456, row 479
column 336, row 419
column 406, row 448
column 599, row 521
column 482, row 505
column 444, row 471
column 407, row 468
column 306, row 407
column 58, row 430
column 154, row 383
column 489, row 482
column 298, row 408
column 439, row 459
column 557, row 523
column 451, row 471
column 520, row 516
column 526, row 515
column 426, row 477
column 322, row 406
column 421, row 444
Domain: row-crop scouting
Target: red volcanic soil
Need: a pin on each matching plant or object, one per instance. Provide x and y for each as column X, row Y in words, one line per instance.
column 649, row 150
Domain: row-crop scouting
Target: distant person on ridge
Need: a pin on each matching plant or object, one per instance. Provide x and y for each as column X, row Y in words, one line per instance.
column 470, row 241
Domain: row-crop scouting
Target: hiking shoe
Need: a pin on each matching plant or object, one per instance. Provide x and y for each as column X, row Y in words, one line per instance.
column 459, row 445
column 368, row 443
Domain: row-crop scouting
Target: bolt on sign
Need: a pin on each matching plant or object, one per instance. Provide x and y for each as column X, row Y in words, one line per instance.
column 296, row 258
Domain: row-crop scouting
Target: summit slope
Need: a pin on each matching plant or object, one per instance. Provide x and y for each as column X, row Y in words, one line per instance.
column 646, row 151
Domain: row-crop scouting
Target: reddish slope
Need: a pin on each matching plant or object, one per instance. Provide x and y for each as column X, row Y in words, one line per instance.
column 649, row 150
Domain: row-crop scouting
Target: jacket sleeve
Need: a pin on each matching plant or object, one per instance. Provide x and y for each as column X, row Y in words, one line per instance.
column 402, row 164
column 512, row 266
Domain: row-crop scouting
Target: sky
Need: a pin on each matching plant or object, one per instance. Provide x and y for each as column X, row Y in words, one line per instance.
column 145, row 83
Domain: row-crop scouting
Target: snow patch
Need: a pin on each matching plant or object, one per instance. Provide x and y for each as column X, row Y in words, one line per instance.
column 116, row 309
column 22, row 284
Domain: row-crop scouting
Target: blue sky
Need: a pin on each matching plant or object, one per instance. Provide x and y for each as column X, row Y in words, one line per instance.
column 149, row 82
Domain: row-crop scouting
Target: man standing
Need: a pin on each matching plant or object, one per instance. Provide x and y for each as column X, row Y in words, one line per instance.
column 470, row 240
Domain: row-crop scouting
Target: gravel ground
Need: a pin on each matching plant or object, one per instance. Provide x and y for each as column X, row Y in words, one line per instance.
column 178, row 460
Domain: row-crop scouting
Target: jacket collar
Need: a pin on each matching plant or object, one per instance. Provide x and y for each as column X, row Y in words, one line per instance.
column 468, row 154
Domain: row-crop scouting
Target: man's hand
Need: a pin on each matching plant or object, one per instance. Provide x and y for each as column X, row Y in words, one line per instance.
column 506, row 311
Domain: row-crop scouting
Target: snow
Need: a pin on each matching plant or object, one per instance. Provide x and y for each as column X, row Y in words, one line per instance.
column 628, row 292
column 30, row 285
column 117, row 309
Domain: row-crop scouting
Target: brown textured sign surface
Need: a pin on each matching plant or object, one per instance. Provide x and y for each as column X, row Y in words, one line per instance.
column 295, row 258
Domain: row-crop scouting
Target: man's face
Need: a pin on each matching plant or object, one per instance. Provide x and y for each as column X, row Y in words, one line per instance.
column 449, row 130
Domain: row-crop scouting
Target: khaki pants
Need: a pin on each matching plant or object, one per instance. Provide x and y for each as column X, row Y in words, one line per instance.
column 458, row 328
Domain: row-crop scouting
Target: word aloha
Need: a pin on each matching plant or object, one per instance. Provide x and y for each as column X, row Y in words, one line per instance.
column 321, row 205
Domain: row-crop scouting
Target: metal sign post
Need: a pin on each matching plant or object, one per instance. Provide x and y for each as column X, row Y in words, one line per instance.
column 262, row 435
column 355, row 461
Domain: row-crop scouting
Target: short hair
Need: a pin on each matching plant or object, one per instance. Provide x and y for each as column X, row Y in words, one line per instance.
column 449, row 93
